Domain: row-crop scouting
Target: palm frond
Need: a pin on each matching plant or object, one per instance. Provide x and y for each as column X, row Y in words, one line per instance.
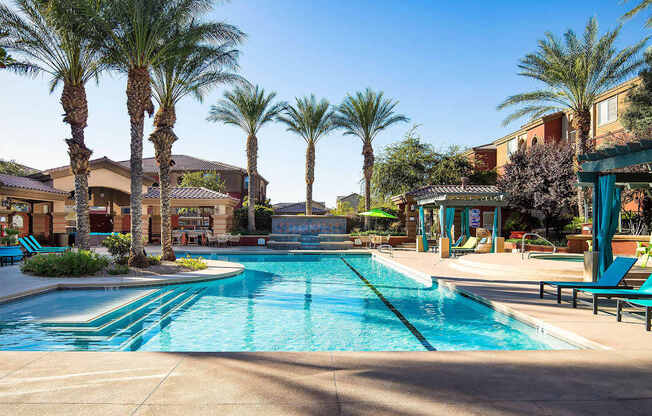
column 309, row 118
column 575, row 70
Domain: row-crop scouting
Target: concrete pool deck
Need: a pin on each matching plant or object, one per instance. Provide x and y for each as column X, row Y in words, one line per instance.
column 574, row 382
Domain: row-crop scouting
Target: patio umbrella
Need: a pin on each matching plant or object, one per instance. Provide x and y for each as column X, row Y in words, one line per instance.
column 378, row 213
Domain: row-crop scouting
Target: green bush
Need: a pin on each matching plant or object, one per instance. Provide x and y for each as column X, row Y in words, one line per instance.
column 376, row 232
column 118, row 269
column 70, row 263
column 118, row 246
column 192, row 263
column 10, row 238
column 154, row 260
column 263, row 218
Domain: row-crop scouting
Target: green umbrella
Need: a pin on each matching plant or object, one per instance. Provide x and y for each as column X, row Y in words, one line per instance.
column 378, row 213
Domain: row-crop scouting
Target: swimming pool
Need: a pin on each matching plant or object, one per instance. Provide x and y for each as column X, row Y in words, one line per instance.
column 280, row 303
column 559, row 257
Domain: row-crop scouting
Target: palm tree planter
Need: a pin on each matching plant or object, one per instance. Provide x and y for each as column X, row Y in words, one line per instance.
column 364, row 115
column 575, row 72
column 249, row 108
column 41, row 35
column 194, row 68
column 311, row 120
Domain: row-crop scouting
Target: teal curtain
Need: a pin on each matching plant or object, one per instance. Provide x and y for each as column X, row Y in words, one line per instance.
column 450, row 219
column 466, row 229
column 608, row 211
column 493, row 232
column 422, row 223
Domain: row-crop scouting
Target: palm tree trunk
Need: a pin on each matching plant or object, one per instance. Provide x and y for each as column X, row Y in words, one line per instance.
column 310, row 176
column 163, row 138
column 581, row 140
column 368, row 169
column 75, row 106
column 139, row 100
column 252, row 166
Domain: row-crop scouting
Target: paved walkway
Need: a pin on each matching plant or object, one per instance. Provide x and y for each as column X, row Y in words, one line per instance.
column 616, row 381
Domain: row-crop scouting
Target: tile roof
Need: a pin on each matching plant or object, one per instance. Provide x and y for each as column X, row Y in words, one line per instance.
column 187, row 193
column 298, row 207
column 183, row 163
column 28, row 183
column 454, row 189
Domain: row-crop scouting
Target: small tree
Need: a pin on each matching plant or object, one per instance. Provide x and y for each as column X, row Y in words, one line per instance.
column 9, row 167
column 540, row 181
column 208, row 180
column 638, row 115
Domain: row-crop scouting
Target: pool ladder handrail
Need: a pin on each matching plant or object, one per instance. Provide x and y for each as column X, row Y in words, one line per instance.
column 388, row 247
column 554, row 247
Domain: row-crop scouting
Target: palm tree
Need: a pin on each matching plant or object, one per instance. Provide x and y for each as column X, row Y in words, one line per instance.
column 194, row 69
column 133, row 38
column 574, row 72
column 47, row 45
column 311, row 120
column 249, row 108
column 643, row 5
column 364, row 115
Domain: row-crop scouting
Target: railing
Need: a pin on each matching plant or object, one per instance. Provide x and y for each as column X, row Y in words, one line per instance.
column 554, row 247
column 388, row 248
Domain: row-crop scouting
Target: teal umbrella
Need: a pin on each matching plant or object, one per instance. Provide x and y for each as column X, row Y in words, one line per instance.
column 378, row 213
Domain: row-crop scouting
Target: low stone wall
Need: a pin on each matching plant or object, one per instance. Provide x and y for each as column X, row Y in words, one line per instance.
column 308, row 224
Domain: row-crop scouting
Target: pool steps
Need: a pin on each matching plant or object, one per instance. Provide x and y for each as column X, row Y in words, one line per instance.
column 126, row 324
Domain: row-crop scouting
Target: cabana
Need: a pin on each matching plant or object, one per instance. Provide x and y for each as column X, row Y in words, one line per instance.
column 448, row 198
column 599, row 171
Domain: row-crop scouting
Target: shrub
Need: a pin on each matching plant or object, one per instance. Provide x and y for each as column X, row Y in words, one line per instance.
column 192, row 263
column 154, row 260
column 263, row 218
column 118, row 246
column 118, row 269
column 70, row 263
column 10, row 238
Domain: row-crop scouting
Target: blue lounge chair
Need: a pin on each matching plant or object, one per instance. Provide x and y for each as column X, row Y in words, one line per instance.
column 644, row 303
column 611, row 278
column 10, row 255
column 31, row 250
column 38, row 245
column 645, row 291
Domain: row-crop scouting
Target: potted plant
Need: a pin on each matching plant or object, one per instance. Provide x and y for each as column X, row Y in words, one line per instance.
column 9, row 237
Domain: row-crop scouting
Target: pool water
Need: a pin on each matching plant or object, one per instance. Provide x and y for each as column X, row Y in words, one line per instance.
column 280, row 303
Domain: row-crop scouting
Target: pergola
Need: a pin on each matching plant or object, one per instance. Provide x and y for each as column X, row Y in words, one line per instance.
column 599, row 172
column 447, row 198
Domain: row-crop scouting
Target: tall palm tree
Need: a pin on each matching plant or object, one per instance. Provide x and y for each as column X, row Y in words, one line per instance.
column 364, row 115
column 311, row 120
column 249, row 108
column 194, row 69
column 46, row 44
column 574, row 72
column 133, row 38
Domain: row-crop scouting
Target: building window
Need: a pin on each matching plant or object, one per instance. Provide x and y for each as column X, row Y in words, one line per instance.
column 608, row 111
column 535, row 141
column 125, row 210
column 512, row 146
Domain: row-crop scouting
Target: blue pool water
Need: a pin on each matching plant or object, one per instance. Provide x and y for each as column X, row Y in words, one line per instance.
column 280, row 303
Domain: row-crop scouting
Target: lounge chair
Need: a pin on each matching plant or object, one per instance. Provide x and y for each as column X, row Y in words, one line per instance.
column 468, row 247
column 10, row 255
column 38, row 246
column 31, row 250
column 610, row 279
column 459, row 241
column 645, row 291
column 644, row 303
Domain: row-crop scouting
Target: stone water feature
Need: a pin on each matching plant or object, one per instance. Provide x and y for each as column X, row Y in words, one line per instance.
column 314, row 232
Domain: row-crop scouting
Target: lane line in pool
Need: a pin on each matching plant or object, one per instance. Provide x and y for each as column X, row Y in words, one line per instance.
column 391, row 307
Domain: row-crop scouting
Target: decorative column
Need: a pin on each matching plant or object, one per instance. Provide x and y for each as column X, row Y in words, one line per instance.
column 444, row 242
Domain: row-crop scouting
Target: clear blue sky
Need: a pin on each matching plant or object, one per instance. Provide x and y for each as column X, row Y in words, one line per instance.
column 448, row 64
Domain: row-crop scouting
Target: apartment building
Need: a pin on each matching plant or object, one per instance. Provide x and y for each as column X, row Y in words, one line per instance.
column 606, row 127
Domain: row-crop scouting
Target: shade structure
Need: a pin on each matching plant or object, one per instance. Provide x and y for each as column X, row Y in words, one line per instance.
column 378, row 213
